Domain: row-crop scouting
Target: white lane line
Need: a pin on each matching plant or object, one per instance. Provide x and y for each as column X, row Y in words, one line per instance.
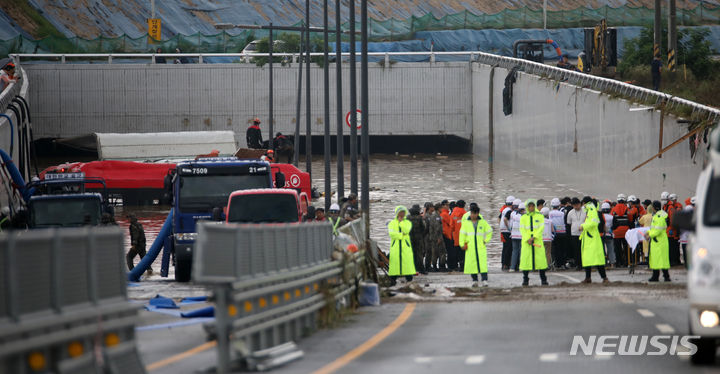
column 423, row 360
column 572, row 279
column 665, row 328
column 603, row 357
column 549, row 357
column 625, row 300
column 474, row 360
column 646, row 313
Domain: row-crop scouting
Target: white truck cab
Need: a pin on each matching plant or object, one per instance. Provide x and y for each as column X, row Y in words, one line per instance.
column 704, row 258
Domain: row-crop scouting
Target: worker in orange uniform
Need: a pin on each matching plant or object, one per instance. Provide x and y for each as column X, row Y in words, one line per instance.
column 447, row 231
column 455, row 262
column 673, row 235
column 621, row 224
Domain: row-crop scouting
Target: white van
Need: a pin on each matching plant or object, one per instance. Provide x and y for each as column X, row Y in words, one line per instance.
column 704, row 257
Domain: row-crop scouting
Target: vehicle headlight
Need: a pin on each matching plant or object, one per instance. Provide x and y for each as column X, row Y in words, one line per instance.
column 186, row 236
column 709, row 318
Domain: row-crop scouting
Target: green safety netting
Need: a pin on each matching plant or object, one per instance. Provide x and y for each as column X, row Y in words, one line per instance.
column 386, row 30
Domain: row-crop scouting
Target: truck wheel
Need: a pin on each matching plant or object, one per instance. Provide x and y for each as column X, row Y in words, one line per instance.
column 182, row 269
column 706, row 349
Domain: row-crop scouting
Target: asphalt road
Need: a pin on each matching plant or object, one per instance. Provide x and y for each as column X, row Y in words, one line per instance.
column 458, row 337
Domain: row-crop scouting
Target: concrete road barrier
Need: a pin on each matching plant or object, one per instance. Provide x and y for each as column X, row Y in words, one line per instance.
column 63, row 303
column 268, row 283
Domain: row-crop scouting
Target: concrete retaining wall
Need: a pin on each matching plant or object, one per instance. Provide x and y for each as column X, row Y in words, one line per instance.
column 549, row 117
column 405, row 98
column 80, row 99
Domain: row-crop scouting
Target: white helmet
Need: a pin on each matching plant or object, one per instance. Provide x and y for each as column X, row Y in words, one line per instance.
column 672, row 197
column 555, row 202
column 692, row 200
column 664, row 195
column 545, row 211
column 521, row 206
column 509, row 199
column 632, row 198
column 622, row 197
column 605, row 206
column 335, row 207
column 517, row 202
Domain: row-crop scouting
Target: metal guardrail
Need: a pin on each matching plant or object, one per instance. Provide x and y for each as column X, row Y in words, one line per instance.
column 697, row 112
column 12, row 90
column 268, row 283
column 63, row 303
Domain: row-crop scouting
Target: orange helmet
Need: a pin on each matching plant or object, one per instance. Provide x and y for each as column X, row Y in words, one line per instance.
column 256, row 120
column 270, row 152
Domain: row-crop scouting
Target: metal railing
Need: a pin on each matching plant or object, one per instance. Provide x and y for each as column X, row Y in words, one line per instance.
column 63, row 303
column 696, row 112
column 13, row 90
column 268, row 283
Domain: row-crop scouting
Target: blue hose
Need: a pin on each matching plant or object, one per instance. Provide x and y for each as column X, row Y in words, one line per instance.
column 12, row 130
column 15, row 175
column 137, row 271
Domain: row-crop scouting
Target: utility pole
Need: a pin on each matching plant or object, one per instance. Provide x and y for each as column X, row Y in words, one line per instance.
column 152, row 9
column 544, row 14
column 326, row 86
column 672, row 36
column 657, row 36
column 365, row 140
column 338, row 101
column 353, row 105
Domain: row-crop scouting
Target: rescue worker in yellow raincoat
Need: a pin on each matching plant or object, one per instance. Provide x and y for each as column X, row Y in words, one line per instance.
column 401, row 253
column 532, row 252
column 659, row 246
column 591, row 246
column 475, row 233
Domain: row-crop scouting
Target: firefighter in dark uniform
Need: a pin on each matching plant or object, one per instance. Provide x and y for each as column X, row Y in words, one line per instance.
column 417, row 237
column 137, row 242
column 254, row 135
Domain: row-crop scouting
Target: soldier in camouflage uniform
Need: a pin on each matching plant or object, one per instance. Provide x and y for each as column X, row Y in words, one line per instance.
column 417, row 237
column 137, row 243
column 434, row 246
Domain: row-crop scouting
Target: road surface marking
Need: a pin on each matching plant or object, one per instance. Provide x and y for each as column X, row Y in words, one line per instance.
column 567, row 277
column 181, row 356
column 603, row 357
column 625, row 300
column 646, row 313
column 474, row 360
column 665, row 328
column 423, row 360
column 369, row 344
column 549, row 357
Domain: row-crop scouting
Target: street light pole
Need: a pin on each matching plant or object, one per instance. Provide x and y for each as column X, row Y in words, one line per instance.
column 296, row 156
column 338, row 101
column 365, row 140
column 270, row 93
column 308, row 129
column 326, row 86
column 353, row 105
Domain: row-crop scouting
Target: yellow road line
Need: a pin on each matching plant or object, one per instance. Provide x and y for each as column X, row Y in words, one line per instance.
column 181, row 356
column 369, row 344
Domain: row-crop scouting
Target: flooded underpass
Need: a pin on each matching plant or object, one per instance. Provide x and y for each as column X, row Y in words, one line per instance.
column 407, row 180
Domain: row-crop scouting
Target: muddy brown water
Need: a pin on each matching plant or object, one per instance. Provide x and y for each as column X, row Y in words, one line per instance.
column 407, row 180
